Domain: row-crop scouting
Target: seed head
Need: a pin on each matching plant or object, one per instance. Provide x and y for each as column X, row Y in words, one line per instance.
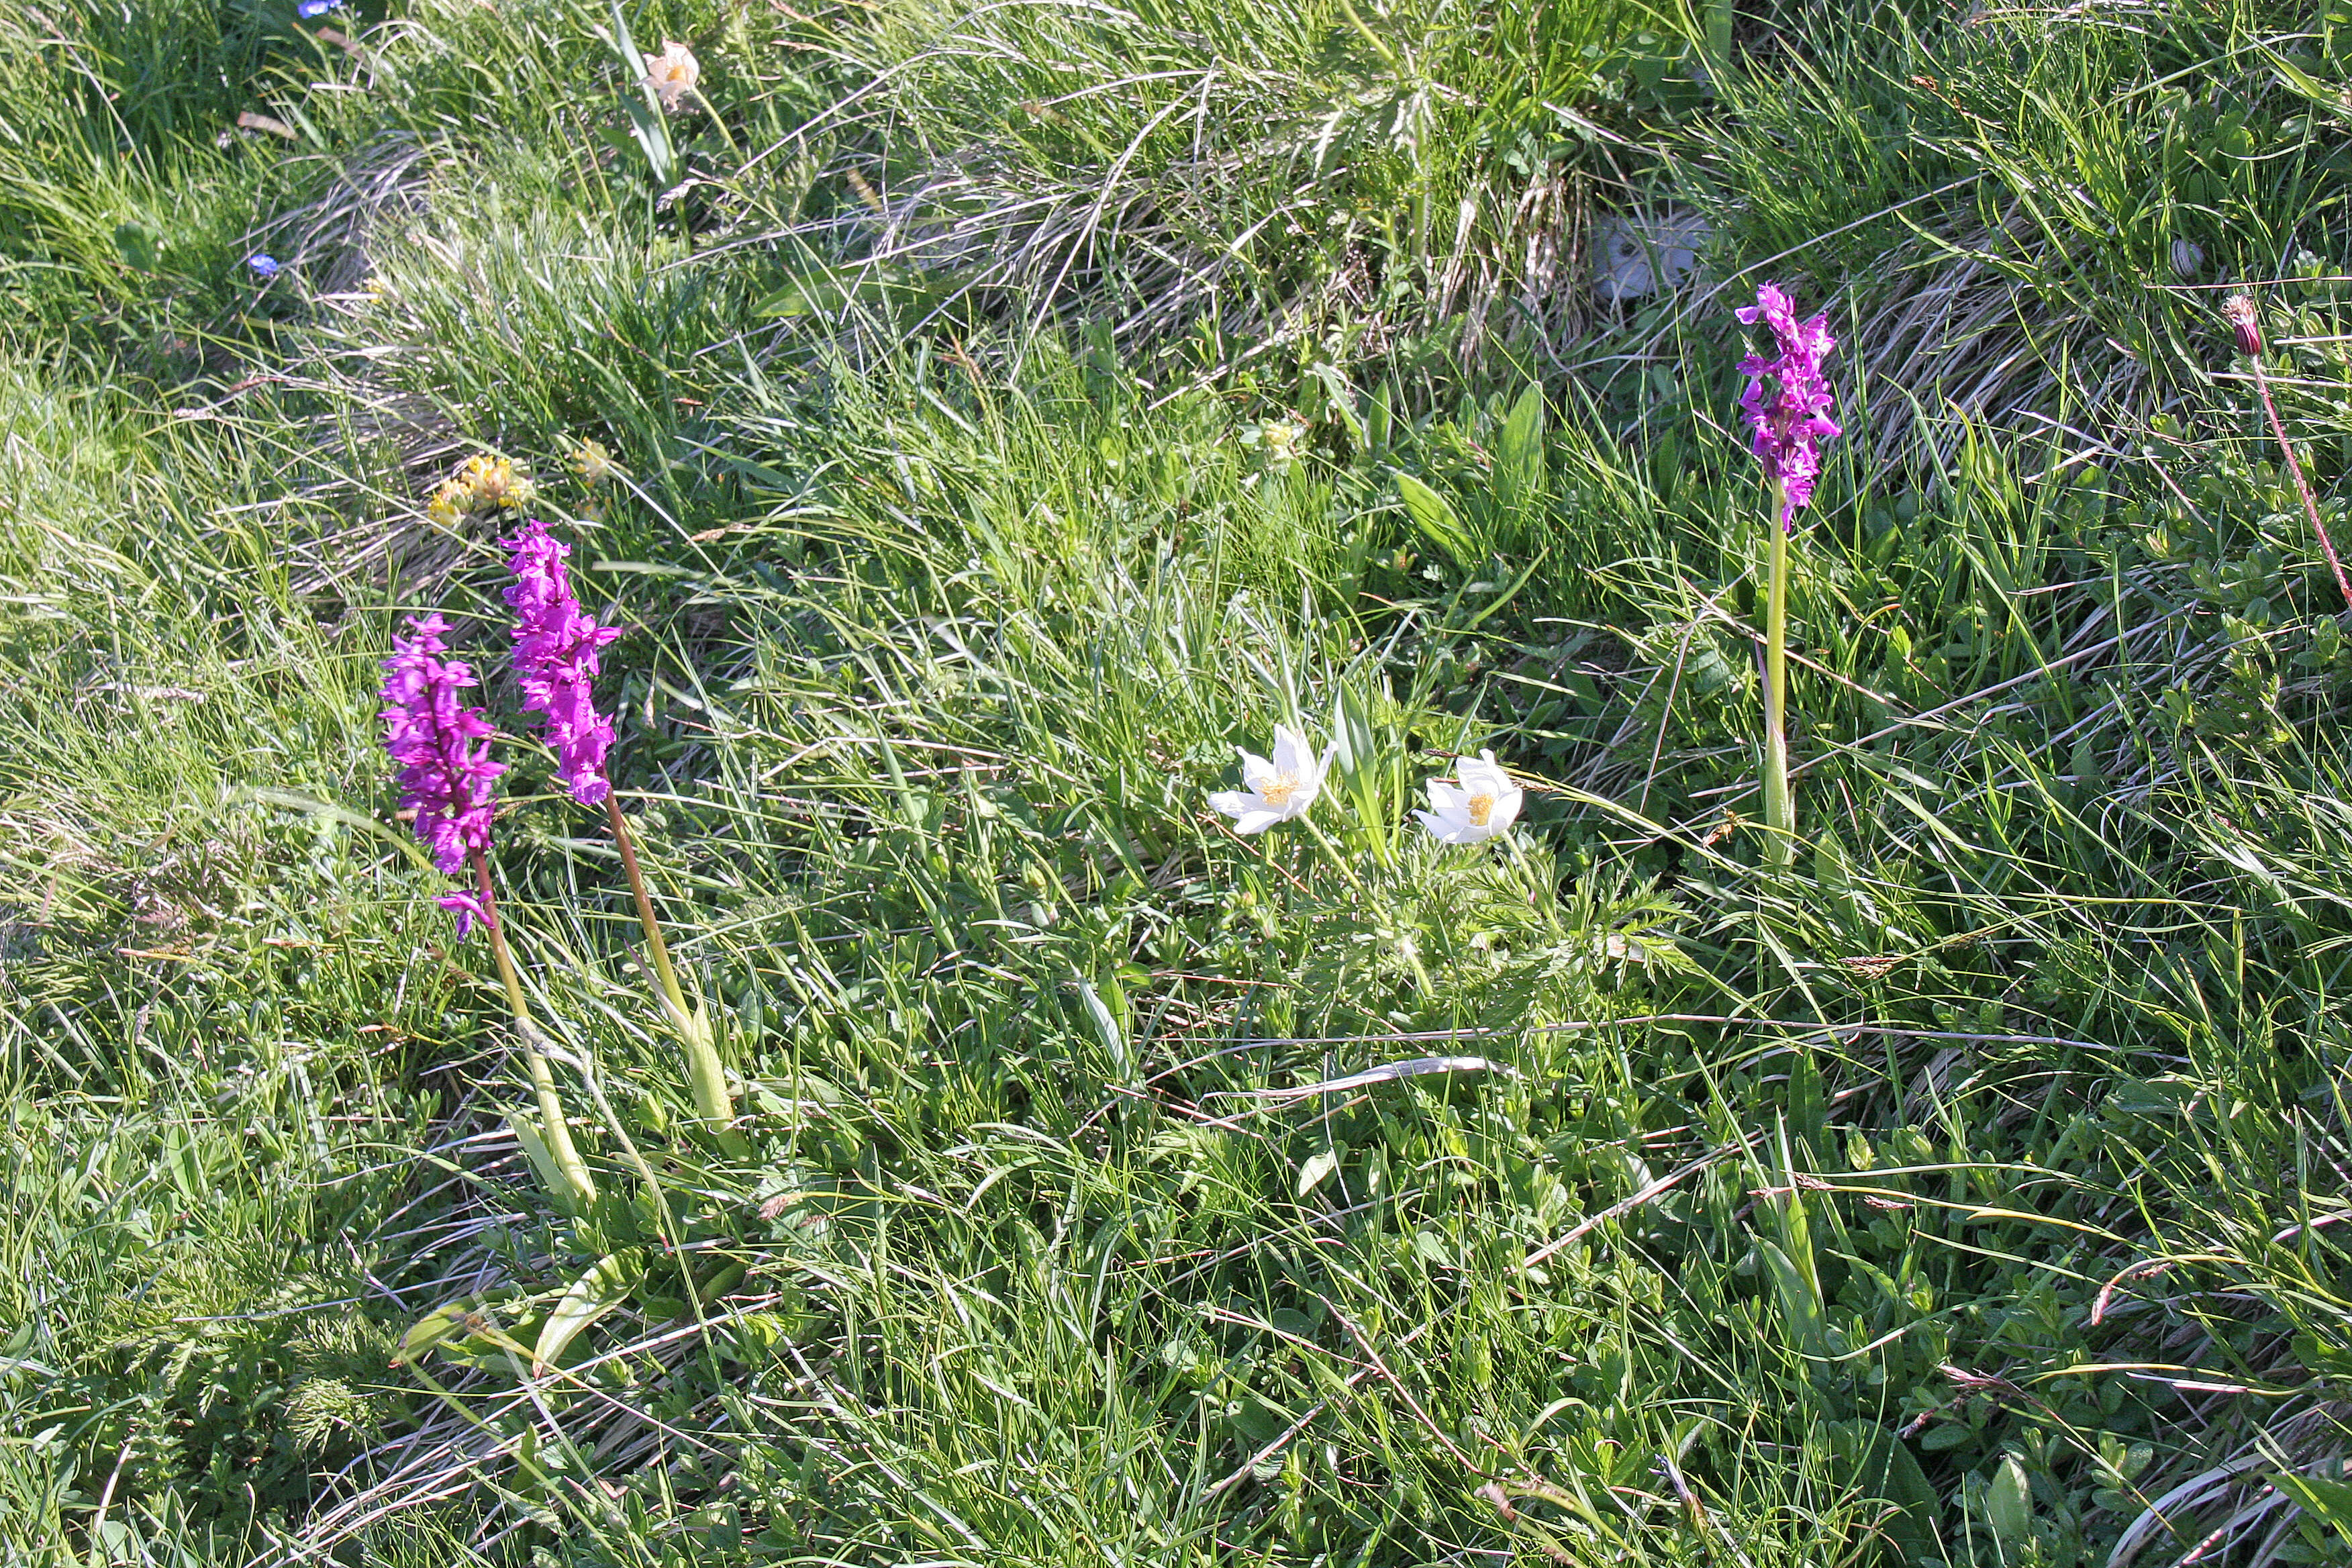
column 2249, row 325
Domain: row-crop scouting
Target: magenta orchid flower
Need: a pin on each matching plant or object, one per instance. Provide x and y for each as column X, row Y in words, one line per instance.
column 1787, row 407
column 555, row 661
column 1789, row 422
column 442, row 746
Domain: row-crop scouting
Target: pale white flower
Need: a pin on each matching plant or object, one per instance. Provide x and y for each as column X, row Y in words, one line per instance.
column 1479, row 805
column 1277, row 790
column 672, row 74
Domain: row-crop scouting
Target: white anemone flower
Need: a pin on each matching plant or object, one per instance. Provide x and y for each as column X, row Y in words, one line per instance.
column 1479, row 807
column 1277, row 790
column 672, row 74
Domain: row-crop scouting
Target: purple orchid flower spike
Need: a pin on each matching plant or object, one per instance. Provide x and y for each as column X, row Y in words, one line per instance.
column 442, row 747
column 556, row 660
column 1787, row 407
column 445, row 776
column 1791, row 420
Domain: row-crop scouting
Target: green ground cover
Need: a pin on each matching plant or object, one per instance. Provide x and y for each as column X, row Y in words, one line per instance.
column 1013, row 409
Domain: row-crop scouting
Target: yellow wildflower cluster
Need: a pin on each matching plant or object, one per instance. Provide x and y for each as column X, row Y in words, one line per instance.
column 593, row 462
column 488, row 482
column 1283, row 440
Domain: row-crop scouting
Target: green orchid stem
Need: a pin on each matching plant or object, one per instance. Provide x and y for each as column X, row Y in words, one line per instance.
column 553, row 1129
column 703, row 1071
column 1780, row 811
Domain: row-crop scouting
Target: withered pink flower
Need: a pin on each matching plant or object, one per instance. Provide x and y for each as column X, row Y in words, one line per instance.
column 468, row 906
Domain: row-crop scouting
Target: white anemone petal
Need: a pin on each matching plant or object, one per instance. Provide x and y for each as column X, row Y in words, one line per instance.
column 1290, row 753
column 1236, row 802
column 1485, row 777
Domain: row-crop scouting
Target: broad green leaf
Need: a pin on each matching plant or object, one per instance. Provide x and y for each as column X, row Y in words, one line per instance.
column 430, row 1330
column 2008, row 1502
column 606, row 1286
column 1875, row 1465
column 1435, row 519
column 1800, row 1302
column 1519, row 479
column 1107, row 1027
column 543, row 1162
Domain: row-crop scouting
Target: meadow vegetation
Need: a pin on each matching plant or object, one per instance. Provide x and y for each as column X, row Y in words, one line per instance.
column 982, row 418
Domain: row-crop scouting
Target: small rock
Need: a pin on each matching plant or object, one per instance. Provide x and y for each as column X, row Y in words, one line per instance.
column 1636, row 254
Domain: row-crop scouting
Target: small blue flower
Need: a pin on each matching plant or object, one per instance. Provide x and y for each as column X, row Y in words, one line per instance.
column 263, row 266
column 317, row 7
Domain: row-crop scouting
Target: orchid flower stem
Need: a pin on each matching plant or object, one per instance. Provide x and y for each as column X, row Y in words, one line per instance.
column 704, row 1072
column 553, row 1129
column 1780, row 811
column 2302, row 486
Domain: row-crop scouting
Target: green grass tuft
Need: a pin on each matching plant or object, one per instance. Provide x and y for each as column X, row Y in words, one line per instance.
column 1015, row 410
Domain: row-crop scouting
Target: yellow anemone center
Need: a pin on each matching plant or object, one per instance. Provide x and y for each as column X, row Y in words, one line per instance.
column 1482, row 806
column 1277, row 791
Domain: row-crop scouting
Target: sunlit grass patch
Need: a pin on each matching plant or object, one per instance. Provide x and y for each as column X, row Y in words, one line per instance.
column 980, row 424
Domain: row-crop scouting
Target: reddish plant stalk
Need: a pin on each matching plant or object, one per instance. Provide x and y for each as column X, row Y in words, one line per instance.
column 2240, row 311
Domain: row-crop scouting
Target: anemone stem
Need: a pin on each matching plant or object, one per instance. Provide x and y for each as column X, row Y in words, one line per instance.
column 2302, row 486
